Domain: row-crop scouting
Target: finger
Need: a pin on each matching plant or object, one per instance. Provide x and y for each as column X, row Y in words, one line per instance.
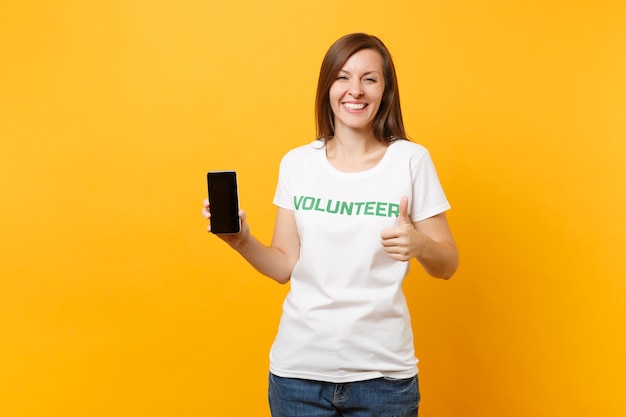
column 396, row 253
column 403, row 217
column 205, row 208
column 387, row 234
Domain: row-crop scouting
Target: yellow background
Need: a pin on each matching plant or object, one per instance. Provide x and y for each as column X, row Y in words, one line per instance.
column 115, row 302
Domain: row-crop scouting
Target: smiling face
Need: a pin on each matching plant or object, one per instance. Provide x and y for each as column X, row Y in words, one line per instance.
column 356, row 94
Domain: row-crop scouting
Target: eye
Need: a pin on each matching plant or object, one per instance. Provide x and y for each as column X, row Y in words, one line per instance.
column 370, row 80
column 342, row 77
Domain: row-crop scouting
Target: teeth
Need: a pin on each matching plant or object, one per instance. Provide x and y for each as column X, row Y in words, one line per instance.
column 354, row 106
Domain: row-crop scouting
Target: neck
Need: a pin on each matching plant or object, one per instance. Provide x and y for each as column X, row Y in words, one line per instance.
column 353, row 143
column 354, row 152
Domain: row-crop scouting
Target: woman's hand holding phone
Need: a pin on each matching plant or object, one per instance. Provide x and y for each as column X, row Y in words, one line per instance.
column 233, row 239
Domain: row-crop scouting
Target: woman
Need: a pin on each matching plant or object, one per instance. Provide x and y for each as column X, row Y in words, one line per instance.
column 354, row 207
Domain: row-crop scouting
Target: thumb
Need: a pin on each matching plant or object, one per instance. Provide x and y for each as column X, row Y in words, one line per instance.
column 403, row 217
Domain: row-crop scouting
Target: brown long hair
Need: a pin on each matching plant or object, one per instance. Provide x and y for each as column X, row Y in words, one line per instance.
column 387, row 124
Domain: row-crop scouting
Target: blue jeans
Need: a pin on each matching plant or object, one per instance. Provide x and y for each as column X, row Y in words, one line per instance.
column 381, row 397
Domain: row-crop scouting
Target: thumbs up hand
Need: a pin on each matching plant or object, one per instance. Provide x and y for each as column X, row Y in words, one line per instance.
column 402, row 242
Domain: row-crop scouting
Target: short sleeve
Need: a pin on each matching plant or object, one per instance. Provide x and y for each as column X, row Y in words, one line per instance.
column 429, row 198
column 283, row 195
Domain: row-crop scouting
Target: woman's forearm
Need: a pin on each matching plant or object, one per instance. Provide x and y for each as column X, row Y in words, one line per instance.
column 268, row 260
column 439, row 259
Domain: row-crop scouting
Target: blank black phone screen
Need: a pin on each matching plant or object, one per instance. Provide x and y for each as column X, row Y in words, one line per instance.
column 223, row 202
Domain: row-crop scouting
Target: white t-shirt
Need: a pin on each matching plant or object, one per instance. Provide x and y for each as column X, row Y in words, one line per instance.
column 345, row 317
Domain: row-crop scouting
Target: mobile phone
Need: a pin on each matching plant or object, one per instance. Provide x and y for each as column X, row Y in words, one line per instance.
column 223, row 202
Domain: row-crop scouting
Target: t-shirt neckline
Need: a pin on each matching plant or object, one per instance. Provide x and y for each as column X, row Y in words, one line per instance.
column 319, row 145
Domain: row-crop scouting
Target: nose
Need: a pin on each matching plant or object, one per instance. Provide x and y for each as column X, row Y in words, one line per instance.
column 355, row 89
